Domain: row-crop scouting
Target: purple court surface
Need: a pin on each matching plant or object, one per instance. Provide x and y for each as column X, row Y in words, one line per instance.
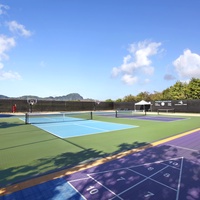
column 155, row 118
column 169, row 171
column 141, row 116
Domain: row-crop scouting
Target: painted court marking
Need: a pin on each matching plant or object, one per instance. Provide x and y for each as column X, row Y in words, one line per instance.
column 145, row 181
column 88, row 127
column 125, row 178
column 161, row 118
column 179, row 147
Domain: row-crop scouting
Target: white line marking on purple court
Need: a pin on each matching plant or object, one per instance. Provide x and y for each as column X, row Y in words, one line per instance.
column 184, row 148
column 179, row 181
column 105, row 187
column 109, row 179
column 168, row 178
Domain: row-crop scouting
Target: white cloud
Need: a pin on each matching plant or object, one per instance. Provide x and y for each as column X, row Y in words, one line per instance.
column 148, row 70
column 115, row 71
column 3, row 9
column 137, row 61
column 1, row 65
column 188, row 65
column 6, row 43
column 146, row 80
column 20, row 29
column 9, row 75
column 129, row 79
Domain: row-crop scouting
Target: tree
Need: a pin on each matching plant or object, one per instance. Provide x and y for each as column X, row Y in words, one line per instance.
column 156, row 96
column 166, row 94
column 178, row 91
column 143, row 96
column 119, row 100
column 109, row 100
column 193, row 89
column 129, row 98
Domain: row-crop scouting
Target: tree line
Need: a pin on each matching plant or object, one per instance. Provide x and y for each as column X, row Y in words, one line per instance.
column 179, row 91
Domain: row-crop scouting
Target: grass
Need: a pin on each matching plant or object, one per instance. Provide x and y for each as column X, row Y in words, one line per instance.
column 28, row 151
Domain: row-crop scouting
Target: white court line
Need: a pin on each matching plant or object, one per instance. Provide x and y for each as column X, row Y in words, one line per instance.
column 139, row 182
column 79, row 179
column 64, row 123
column 163, row 184
column 179, row 181
column 157, row 120
column 149, row 177
column 105, row 130
column 179, row 120
column 91, row 127
column 105, row 188
column 140, row 165
column 185, row 148
column 145, row 177
column 77, row 190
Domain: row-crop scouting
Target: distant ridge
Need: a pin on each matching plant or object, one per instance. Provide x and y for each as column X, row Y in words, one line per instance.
column 68, row 97
column 3, row 97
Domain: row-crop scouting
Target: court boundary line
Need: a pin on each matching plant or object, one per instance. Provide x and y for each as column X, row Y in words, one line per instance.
column 44, row 178
column 143, row 175
column 185, row 148
column 116, row 195
column 154, row 120
column 65, row 123
column 146, row 177
column 179, row 181
column 77, row 190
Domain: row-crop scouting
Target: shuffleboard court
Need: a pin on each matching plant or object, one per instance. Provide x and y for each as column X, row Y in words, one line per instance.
column 81, row 128
column 168, row 170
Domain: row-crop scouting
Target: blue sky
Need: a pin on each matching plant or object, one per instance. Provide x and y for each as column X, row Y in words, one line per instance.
column 101, row 49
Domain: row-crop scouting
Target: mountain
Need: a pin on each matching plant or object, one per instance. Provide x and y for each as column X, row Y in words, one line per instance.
column 3, row 97
column 68, row 97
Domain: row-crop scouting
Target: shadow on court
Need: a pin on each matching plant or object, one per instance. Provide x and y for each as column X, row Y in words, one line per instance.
column 6, row 115
column 10, row 125
column 182, row 182
column 109, row 172
column 62, row 161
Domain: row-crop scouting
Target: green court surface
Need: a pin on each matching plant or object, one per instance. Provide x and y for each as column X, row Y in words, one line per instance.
column 27, row 151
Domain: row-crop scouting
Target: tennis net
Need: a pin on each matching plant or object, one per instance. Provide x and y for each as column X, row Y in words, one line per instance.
column 38, row 118
column 130, row 113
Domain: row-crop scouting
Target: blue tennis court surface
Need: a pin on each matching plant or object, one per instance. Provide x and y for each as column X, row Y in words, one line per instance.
column 80, row 128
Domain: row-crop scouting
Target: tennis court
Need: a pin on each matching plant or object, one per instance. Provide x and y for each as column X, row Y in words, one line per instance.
column 65, row 125
column 81, row 128
column 140, row 115
column 104, row 158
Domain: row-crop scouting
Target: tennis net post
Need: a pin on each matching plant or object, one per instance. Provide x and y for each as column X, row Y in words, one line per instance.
column 26, row 118
column 129, row 113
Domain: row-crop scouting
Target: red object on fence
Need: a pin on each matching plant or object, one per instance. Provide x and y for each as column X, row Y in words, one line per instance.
column 14, row 108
